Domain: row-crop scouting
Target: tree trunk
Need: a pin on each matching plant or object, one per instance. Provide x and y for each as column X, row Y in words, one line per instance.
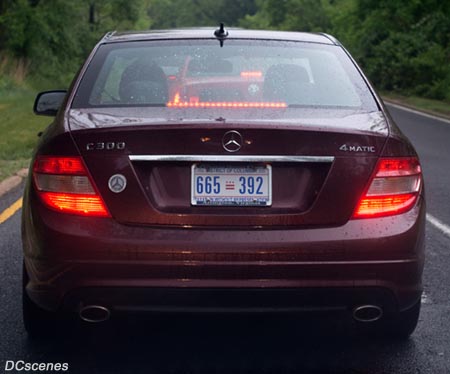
column 2, row 28
column 92, row 16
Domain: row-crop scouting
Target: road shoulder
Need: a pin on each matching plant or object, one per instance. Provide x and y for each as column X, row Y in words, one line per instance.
column 426, row 113
column 12, row 182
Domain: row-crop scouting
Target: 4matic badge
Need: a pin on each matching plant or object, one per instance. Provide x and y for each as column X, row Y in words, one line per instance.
column 357, row 148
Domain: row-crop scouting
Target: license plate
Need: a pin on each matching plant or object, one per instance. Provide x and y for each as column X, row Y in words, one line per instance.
column 231, row 185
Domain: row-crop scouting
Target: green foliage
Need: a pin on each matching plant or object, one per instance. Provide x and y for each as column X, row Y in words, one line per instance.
column 403, row 46
column 181, row 13
column 54, row 37
column 19, row 128
column 292, row 15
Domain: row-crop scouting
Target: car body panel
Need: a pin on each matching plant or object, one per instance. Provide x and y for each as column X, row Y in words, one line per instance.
column 157, row 252
column 349, row 256
column 205, row 33
column 153, row 201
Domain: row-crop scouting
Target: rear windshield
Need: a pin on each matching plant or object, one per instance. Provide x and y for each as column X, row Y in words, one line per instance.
column 241, row 75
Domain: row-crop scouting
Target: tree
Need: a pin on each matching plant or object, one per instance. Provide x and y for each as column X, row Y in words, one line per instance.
column 52, row 38
column 403, row 46
column 181, row 13
column 292, row 15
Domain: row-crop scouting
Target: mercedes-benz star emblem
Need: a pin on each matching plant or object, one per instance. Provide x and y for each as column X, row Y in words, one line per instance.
column 232, row 141
column 117, row 183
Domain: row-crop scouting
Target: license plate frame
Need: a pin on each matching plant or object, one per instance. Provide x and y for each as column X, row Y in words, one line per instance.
column 228, row 175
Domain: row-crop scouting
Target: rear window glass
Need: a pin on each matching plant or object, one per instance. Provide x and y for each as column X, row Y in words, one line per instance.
column 242, row 74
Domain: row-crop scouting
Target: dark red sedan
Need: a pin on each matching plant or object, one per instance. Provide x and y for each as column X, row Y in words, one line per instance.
column 239, row 170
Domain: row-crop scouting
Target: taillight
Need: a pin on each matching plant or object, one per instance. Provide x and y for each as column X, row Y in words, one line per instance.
column 251, row 74
column 227, row 104
column 63, row 184
column 394, row 188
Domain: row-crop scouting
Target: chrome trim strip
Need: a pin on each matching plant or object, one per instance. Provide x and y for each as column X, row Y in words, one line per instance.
column 211, row 158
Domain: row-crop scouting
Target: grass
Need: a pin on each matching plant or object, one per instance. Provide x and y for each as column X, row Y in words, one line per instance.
column 440, row 108
column 10, row 167
column 18, row 129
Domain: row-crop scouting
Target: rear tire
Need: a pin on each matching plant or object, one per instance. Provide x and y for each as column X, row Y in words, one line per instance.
column 38, row 322
column 404, row 323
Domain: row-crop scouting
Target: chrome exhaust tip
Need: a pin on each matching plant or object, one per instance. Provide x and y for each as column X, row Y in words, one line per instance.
column 94, row 313
column 367, row 313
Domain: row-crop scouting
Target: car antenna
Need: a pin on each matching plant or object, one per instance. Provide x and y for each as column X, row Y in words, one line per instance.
column 221, row 33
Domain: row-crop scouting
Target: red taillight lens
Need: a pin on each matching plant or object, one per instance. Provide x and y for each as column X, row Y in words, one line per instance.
column 63, row 184
column 86, row 205
column 59, row 165
column 393, row 189
column 251, row 74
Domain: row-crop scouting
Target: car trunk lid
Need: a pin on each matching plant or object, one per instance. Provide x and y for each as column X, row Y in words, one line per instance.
column 319, row 166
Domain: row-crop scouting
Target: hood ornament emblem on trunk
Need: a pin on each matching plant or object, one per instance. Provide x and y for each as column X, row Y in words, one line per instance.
column 232, row 141
column 117, row 183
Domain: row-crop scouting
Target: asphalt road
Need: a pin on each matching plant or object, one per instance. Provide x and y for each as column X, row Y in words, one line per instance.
column 252, row 344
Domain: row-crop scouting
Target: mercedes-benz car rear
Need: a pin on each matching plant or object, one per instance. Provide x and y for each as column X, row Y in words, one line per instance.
column 193, row 171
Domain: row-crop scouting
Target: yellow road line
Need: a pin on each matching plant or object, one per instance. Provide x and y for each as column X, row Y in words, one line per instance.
column 9, row 212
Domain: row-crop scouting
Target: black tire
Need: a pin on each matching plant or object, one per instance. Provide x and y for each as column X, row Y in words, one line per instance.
column 38, row 322
column 404, row 323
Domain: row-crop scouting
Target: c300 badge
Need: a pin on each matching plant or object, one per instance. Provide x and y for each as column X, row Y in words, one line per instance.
column 117, row 183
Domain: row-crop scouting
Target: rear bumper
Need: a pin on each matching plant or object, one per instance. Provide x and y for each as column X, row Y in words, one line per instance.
column 229, row 300
column 76, row 261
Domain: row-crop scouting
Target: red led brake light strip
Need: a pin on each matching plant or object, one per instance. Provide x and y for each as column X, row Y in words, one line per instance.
column 226, row 104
